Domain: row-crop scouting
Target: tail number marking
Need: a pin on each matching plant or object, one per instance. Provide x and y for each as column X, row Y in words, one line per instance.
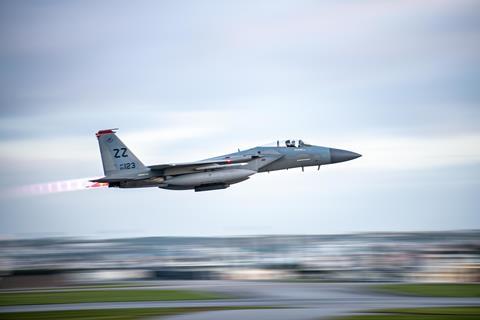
column 123, row 153
column 128, row 165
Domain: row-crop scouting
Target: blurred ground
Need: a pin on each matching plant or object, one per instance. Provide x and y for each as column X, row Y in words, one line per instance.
column 290, row 277
column 294, row 300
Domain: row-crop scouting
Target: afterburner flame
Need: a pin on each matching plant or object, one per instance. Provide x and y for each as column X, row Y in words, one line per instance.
column 56, row 187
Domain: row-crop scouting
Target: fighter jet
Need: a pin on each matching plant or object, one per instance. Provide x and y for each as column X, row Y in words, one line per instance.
column 123, row 169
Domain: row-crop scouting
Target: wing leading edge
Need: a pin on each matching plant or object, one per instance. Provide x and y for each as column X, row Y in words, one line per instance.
column 203, row 163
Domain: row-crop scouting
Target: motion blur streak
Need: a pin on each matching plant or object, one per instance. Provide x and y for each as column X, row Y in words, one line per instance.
column 448, row 256
column 54, row 187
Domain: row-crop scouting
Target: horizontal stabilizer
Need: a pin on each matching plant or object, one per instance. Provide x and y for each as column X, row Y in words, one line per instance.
column 123, row 177
column 107, row 180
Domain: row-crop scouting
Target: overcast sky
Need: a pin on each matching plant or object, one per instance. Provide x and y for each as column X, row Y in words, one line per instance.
column 397, row 81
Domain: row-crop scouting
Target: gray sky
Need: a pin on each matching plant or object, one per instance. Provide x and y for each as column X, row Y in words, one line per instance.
column 397, row 81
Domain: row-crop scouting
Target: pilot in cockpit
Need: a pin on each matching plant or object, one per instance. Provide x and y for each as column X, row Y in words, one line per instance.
column 290, row 144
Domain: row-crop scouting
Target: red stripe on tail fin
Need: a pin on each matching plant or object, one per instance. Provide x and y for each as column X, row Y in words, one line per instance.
column 105, row 131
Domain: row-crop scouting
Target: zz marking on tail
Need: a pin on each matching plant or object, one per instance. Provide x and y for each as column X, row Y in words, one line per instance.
column 124, row 153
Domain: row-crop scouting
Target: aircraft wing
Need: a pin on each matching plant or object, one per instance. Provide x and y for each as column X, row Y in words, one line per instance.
column 204, row 164
column 178, row 168
column 185, row 167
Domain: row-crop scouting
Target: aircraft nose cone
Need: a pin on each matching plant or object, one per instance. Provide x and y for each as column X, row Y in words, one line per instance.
column 338, row 155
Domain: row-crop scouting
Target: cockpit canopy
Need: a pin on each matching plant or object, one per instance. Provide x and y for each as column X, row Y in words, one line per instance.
column 289, row 143
column 292, row 143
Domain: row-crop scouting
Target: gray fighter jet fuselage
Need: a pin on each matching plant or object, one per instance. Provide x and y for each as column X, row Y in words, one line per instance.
column 124, row 170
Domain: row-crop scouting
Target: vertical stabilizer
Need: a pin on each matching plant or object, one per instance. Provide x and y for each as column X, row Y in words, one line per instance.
column 116, row 156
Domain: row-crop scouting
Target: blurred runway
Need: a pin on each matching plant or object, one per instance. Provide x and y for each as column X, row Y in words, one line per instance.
column 301, row 301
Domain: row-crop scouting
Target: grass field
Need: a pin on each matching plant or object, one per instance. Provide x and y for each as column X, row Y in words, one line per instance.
column 111, row 314
column 449, row 313
column 433, row 289
column 24, row 298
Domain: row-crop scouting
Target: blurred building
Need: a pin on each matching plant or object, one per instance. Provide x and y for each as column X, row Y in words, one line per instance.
column 424, row 257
